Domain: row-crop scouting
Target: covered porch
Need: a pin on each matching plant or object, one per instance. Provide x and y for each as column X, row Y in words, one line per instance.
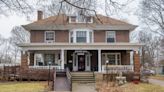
column 83, row 57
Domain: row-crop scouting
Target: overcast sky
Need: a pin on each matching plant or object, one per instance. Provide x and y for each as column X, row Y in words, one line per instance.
column 8, row 22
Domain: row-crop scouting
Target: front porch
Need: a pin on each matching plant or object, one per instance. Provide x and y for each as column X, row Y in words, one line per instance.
column 82, row 57
column 83, row 60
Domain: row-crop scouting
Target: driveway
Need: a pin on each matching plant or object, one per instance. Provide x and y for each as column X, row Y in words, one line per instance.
column 157, row 82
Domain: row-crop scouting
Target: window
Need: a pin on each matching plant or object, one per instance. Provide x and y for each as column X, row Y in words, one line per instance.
column 110, row 36
column 49, row 58
column 90, row 36
column 72, row 19
column 113, row 58
column 89, row 19
column 39, row 60
column 80, row 19
column 49, row 36
column 81, row 36
column 71, row 36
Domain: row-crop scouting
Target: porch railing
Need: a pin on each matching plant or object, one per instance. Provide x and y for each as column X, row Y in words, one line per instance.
column 46, row 67
column 117, row 68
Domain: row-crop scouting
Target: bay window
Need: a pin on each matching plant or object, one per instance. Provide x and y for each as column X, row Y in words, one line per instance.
column 81, row 36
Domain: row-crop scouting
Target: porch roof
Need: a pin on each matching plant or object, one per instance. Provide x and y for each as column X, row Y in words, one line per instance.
column 80, row 46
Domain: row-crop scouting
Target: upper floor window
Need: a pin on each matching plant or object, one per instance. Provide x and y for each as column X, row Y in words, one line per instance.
column 110, row 36
column 81, row 36
column 49, row 36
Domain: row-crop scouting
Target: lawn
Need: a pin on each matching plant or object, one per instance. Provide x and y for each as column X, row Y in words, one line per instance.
column 23, row 87
column 130, row 87
column 158, row 77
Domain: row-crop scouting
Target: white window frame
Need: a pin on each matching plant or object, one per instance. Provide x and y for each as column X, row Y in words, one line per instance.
column 87, row 34
column 116, row 61
column 49, row 41
column 80, row 21
column 111, row 32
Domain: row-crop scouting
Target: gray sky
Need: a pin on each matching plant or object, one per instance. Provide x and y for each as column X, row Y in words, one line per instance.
column 8, row 22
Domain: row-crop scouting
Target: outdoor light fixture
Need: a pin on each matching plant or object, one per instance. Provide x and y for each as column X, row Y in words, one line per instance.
column 107, row 77
column 49, row 63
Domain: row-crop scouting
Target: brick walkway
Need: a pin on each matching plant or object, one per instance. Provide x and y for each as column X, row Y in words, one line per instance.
column 61, row 84
column 157, row 82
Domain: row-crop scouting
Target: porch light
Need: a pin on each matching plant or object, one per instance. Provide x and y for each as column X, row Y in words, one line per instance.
column 107, row 61
column 49, row 63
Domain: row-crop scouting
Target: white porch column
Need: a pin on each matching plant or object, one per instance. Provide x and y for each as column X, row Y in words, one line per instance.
column 62, row 58
column 99, row 60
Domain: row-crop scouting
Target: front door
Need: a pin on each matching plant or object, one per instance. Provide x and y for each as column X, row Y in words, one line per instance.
column 81, row 62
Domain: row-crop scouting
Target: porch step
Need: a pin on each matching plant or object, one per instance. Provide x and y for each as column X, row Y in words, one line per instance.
column 84, row 77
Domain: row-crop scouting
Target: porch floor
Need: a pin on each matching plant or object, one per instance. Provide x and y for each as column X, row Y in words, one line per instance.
column 61, row 84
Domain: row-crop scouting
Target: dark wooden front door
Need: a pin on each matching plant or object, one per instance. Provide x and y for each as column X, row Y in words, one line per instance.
column 81, row 62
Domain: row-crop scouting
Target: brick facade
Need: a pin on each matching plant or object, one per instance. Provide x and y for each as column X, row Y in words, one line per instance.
column 63, row 36
column 136, row 63
column 24, row 62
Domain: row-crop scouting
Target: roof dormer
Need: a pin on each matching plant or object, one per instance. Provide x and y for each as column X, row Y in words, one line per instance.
column 80, row 17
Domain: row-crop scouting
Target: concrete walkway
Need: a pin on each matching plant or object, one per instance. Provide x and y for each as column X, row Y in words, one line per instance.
column 157, row 82
column 83, row 87
column 61, row 85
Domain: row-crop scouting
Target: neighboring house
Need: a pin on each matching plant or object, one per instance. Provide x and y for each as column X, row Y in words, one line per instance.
column 80, row 43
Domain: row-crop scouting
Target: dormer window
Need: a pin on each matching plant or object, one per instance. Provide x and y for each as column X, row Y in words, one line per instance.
column 80, row 19
column 73, row 19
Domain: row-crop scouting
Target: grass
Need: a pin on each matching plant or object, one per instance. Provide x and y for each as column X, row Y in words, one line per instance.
column 142, row 87
column 130, row 87
column 158, row 77
column 23, row 87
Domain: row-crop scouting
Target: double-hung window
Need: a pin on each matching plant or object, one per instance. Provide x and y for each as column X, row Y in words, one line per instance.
column 110, row 36
column 49, row 36
column 81, row 36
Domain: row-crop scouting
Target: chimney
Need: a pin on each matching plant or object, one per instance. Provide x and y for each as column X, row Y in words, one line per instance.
column 40, row 15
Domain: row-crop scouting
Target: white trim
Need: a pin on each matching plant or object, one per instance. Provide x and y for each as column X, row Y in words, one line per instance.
column 117, row 53
column 99, row 61
column 76, row 21
column 80, row 46
column 87, row 35
column 49, row 41
column 62, row 58
column 108, row 32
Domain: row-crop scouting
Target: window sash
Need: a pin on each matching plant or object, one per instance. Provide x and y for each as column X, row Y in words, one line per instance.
column 81, row 36
column 110, row 36
column 49, row 36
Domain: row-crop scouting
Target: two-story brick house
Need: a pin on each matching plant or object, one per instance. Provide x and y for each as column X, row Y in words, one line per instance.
column 80, row 43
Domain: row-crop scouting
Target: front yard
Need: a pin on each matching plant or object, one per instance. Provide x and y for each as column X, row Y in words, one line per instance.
column 158, row 77
column 23, row 87
column 130, row 87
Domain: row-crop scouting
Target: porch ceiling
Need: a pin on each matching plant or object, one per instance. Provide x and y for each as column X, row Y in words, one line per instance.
column 80, row 46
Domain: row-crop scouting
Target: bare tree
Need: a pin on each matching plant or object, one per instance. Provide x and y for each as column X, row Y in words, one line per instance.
column 18, row 35
column 52, row 7
column 149, row 50
column 152, row 14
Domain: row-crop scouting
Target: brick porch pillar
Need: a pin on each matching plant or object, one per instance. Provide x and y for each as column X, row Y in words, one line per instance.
column 24, row 62
column 136, row 63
